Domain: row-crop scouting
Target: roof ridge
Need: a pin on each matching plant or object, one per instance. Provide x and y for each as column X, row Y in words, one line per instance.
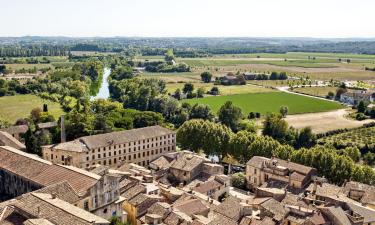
column 24, row 154
column 81, row 171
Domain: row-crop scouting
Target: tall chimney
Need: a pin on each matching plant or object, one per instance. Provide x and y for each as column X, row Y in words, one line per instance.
column 62, row 124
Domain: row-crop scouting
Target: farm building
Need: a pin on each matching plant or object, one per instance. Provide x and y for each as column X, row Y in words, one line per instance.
column 354, row 97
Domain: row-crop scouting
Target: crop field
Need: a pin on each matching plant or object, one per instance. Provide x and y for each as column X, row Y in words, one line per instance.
column 360, row 138
column 269, row 102
column 316, row 91
column 224, row 90
column 28, row 66
column 20, row 106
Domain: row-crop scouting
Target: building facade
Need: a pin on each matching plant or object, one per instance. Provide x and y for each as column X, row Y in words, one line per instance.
column 138, row 146
column 260, row 169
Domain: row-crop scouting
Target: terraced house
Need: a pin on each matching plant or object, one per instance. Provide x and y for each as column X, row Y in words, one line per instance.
column 138, row 146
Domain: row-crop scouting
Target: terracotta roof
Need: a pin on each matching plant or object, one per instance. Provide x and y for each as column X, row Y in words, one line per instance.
column 367, row 213
column 265, row 221
column 207, row 186
column 276, row 208
column 134, row 191
column 121, row 137
column 230, row 208
column 338, row 214
column 222, row 220
column 43, row 172
column 63, row 191
column 192, row 207
column 37, row 222
column 318, row 219
column 187, row 162
column 8, row 140
column 161, row 162
column 159, row 208
column 80, row 180
column 74, row 146
column 257, row 162
column 55, row 210
column 369, row 191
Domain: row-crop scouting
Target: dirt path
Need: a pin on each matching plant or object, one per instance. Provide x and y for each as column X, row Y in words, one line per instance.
column 325, row 121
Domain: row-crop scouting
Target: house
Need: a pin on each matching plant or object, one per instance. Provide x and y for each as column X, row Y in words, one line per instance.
column 45, row 209
column 137, row 206
column 356, row 96
column 214, row 187
column 22, row 173
column 188, row 166
column 138, row 146
column 8, row 140
column 260, row 170
column 16, row 131
column 231, row 79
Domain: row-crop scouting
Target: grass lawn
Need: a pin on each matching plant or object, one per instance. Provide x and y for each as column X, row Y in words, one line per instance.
column 20, row 106
column 316, row 91
column 269, row 102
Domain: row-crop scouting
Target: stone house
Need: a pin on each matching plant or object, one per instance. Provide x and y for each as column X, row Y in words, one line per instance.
column 356, row 96
column 21, row 173
column 260, row 169
column 138, row 146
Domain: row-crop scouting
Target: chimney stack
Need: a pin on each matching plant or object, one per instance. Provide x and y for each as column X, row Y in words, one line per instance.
column 62, row 124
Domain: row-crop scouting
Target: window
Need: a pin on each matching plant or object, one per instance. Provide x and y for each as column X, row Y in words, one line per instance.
column 62, row 158
column 98, row 156
column 87, row 158
column 93, row 157
column 86, row 205
column 114, row 161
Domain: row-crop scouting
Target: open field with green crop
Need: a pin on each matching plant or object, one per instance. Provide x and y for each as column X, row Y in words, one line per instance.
column 224, row 90
column 20, row 106
column 269, row 102
column 316, row 91
column 320, row 66
column 28, row 66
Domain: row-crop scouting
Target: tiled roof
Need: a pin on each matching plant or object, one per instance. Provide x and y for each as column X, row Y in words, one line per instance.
column 230, row 208
column 191, row 207
column 367, row 213
column 369, row 191
column 134, row 191
column 207, row 186
column 63, row 191
column 114, row 138
column 276, row 208
column 222, row 220
column 338, row 214
column 80, row 180
column 187, row 162
column 37, row 222
column 257, row 162
column 43, row 172
column 8, row 140
column 161, row 162
column 159, row 208
column 264, row 221
column 121, row 137
column 55, row 210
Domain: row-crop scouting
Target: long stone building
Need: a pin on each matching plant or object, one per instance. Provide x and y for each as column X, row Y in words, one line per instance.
column 22, row 173
column 139, row 146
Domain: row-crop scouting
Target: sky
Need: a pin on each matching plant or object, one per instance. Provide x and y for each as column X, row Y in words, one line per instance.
column 188, row 18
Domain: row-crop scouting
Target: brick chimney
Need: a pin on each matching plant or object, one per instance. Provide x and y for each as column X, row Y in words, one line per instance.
column 62, row 125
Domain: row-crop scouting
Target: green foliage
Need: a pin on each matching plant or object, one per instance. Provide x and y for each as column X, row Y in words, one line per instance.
column 238, row 180
column 284, row 111
column 274, row 126
column 353, row 153
column 200, row 111
column 122, row 72
column 306, row 138
column 230, row 115
column 210, row 137
column 361, row 107
column 206, row 77
column 188, row 88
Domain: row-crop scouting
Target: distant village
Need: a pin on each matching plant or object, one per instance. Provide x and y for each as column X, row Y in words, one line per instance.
column 139, row 176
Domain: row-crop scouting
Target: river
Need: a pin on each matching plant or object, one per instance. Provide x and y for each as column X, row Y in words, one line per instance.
column 104, row 87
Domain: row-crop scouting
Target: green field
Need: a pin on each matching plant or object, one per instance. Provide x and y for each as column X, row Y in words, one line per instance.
column 20, row 106
column 224, row 90
column 269, row 102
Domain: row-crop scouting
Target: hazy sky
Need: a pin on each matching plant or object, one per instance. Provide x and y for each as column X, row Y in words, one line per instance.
column 253, row 18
